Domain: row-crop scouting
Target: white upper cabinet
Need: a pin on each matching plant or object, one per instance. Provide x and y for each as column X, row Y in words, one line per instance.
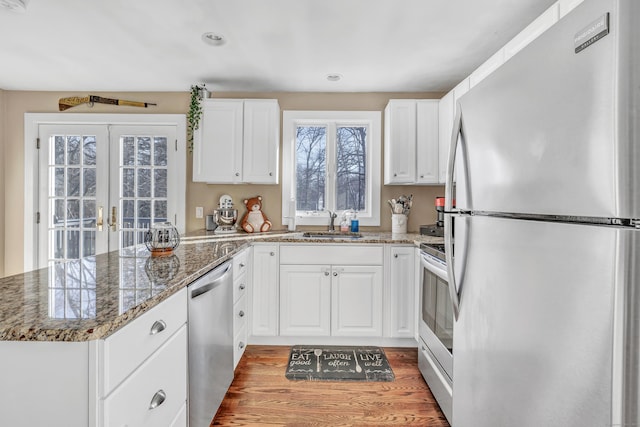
column 411, row 141
column 400, row 141
column 427, row 149
column 261, row 141
column 237, row 142
column 445, row 118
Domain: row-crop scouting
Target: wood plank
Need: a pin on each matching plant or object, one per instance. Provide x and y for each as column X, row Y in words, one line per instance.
column 260, row 395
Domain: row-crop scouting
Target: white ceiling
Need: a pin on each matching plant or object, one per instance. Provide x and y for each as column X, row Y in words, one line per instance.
column 271, row 45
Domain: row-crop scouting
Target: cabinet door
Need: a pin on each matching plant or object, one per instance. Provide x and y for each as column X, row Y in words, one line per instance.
column 217, row 145
column 400, row 142
column 356, row 301
column 261, row 141
column 305, row 300
column 445, row 128
column 427, row 141
column 264, row 290
column 401, row 291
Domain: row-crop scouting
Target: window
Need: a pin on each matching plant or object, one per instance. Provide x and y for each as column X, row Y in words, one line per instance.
column 331, row 162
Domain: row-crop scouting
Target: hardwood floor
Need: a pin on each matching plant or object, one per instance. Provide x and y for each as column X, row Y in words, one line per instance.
column 260, row 395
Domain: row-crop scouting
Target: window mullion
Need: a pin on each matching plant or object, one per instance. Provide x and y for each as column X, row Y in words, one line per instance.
column 331, row 166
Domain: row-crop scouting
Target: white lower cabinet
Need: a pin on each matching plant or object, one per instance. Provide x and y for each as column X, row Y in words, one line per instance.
column 155, row 392
column 331, row 290
column 241, row 280
column 325, row 300
column 401, row 291
column 305, row 300
column 264, row 303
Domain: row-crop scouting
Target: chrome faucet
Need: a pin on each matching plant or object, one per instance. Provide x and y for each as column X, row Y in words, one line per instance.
column 332, row 217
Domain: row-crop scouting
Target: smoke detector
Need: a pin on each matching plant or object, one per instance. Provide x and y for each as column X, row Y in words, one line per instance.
column 14, row 5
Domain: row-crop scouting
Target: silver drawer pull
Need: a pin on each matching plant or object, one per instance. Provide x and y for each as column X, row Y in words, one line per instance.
column 158, row 326
column 241, row 264
column 241, row 314
column 242, row 287
column 157, row 399
column 241, row 345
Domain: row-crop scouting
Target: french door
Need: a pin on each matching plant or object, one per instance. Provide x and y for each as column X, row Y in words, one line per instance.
column 102, row 186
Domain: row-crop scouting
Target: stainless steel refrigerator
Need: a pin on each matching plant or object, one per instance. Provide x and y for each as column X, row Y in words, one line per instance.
column 544, row 269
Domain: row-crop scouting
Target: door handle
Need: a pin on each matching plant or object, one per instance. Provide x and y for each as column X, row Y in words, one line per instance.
column 100, row 221
column 114, row 218
column 157, row 399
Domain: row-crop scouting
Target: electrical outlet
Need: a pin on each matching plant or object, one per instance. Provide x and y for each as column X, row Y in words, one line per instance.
column 199, row 212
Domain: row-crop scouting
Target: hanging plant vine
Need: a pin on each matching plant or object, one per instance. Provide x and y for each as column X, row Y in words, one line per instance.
column 195, row 113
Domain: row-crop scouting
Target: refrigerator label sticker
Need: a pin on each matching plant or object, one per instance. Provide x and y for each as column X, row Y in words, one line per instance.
column 591, row 33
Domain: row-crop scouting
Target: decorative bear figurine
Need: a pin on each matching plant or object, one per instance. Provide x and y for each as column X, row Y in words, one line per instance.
column 255, row 220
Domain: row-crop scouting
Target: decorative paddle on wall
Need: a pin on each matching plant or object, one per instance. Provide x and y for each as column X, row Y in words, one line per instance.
column 66, row 103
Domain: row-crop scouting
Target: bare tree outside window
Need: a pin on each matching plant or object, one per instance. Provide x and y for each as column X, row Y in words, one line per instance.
column 311, row 167
column 351, row 185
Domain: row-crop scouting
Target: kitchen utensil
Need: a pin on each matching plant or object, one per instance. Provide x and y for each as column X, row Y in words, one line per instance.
column 358, row 368
column 317, row 352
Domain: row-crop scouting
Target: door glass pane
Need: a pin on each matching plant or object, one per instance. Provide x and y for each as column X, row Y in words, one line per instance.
column 144, row 151
column 89, row 182
column 89, row 151
column 144, row 182
column 351, row 185
column 128, row 182
column 128, row 150
column 311, row 169
column 160, row 151
column 73, row 150
column 160, row 183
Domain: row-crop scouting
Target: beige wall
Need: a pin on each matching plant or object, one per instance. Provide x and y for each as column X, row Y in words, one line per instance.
column 3, row 129
column 12, row 146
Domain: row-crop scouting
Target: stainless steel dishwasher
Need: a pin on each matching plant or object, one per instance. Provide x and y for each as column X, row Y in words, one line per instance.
column 210, row 343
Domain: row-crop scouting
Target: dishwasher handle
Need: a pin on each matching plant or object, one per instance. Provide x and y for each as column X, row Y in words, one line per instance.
column 213, row 280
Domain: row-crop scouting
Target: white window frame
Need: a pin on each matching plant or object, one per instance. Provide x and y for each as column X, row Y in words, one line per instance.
column 32, row 121
column 290, row 121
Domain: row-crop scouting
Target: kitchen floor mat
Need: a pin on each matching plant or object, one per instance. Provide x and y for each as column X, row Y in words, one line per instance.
column 338, row 363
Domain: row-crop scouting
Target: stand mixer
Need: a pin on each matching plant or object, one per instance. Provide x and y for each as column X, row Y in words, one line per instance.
column 225, row 216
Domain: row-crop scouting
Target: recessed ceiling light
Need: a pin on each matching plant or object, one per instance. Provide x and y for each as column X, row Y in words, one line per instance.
column 14, row 5
column 213, row 39
column 334, row 77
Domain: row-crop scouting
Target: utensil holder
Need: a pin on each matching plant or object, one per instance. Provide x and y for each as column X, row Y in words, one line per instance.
column 399, row 223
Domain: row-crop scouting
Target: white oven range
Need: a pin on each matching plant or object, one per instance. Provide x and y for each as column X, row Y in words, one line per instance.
column 435, row 347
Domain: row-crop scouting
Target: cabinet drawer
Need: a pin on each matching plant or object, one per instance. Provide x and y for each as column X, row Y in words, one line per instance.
column 240, row 286
column 126, row 349
column 240, row 263
column 164, row 374
column 239, row 345
column 347, row 253
column 239, row 314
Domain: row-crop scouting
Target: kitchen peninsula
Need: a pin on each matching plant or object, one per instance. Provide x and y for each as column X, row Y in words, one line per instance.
column 64, row 329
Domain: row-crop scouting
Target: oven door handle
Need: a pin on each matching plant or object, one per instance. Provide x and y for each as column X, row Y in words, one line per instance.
column 433, row 267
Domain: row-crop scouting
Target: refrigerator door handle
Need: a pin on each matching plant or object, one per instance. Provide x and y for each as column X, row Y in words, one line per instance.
column 448, row 220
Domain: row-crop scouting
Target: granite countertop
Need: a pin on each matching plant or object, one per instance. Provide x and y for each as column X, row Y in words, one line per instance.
column 91, row 298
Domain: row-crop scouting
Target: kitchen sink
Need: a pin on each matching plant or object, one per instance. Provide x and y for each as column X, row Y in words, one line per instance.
column 331, row 235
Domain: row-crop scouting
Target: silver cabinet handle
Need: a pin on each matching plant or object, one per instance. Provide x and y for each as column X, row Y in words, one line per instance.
column 237, row 173
column 157, row 327
column 335, row 273
column 241, row 313
column 157, row 399
column 395, row 255
column 242, row 286
column 272, row 253
column 326, row 273
column 241, row 264
column 241, row 345
column 270, row 173
column 395, row 174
